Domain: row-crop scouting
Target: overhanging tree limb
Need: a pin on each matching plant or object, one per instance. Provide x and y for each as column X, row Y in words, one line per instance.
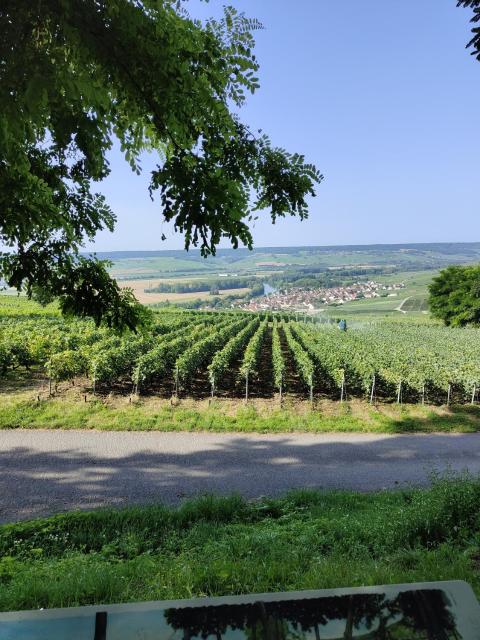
column 475, row 41
column 74, row 75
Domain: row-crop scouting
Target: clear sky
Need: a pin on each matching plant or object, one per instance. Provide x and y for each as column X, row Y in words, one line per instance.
column 381, row 95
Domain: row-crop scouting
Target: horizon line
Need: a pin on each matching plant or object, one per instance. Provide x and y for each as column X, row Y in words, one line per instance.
column 256, row 248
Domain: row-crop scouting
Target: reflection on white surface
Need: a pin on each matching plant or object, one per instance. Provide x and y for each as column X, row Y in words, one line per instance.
column 437, row 611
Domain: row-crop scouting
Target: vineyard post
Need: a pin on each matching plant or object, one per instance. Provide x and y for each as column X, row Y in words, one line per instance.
column 137, row 382
column 423, row 394
column 176, row 382
column 213, row 386
column 280, row 389
column 342, row 392
column 246, row 387
column 373, row 389
column 399, row 394
column 474, row 393
column 311, row 389
column 50, row 377
column 449, row 393
column 94, row 379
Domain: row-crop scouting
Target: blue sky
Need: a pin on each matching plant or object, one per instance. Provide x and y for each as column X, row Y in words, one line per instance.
column 381, row 96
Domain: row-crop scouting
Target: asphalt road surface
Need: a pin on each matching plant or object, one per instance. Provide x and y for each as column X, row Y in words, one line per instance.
column 45, row 472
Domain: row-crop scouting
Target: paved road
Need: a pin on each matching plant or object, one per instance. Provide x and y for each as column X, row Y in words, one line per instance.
column 43, row 472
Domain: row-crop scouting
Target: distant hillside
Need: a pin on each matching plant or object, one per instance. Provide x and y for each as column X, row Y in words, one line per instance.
column 468, row 250
column 231, row 262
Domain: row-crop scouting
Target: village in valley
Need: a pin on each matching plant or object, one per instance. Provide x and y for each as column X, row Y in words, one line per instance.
column 302, row 298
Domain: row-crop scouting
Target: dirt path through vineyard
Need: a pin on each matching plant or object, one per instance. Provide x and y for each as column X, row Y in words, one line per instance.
column 293, row 384
column 262, row 386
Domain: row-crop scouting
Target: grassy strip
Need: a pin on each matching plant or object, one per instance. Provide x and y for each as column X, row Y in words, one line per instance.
column 22, row 411
column 218, row 546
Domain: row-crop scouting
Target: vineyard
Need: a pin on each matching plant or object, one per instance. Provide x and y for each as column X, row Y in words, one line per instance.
column 235, row 354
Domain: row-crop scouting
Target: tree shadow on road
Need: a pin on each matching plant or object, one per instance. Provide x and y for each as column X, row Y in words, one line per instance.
column 146, row 468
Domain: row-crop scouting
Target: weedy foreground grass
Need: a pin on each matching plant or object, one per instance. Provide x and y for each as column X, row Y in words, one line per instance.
column 22, row 410
column 220, row 546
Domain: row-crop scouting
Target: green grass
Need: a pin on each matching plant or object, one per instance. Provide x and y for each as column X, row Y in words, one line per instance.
column 20, row 411
column 220, row 546
column 20, row 306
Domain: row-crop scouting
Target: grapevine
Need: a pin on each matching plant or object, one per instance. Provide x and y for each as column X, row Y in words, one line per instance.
column 252, row 352
column 393, row 360
column 277, row 358
column 200, row 352
column 303, row 362
column 223, row 358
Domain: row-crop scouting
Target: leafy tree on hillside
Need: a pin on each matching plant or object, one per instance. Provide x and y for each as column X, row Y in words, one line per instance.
column 455, row 292
column 455, row 296
column 77, row 74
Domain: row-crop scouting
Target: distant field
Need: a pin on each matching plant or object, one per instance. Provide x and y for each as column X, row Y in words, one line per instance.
column 139, row 287
column 378, row 306
column 415, row 304
column 128, row 265
column 146, row 267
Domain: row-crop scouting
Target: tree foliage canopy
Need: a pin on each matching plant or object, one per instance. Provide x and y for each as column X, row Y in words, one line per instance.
column 455, row 296
column 77, row 74
column 455, row 292
column 475, row 41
